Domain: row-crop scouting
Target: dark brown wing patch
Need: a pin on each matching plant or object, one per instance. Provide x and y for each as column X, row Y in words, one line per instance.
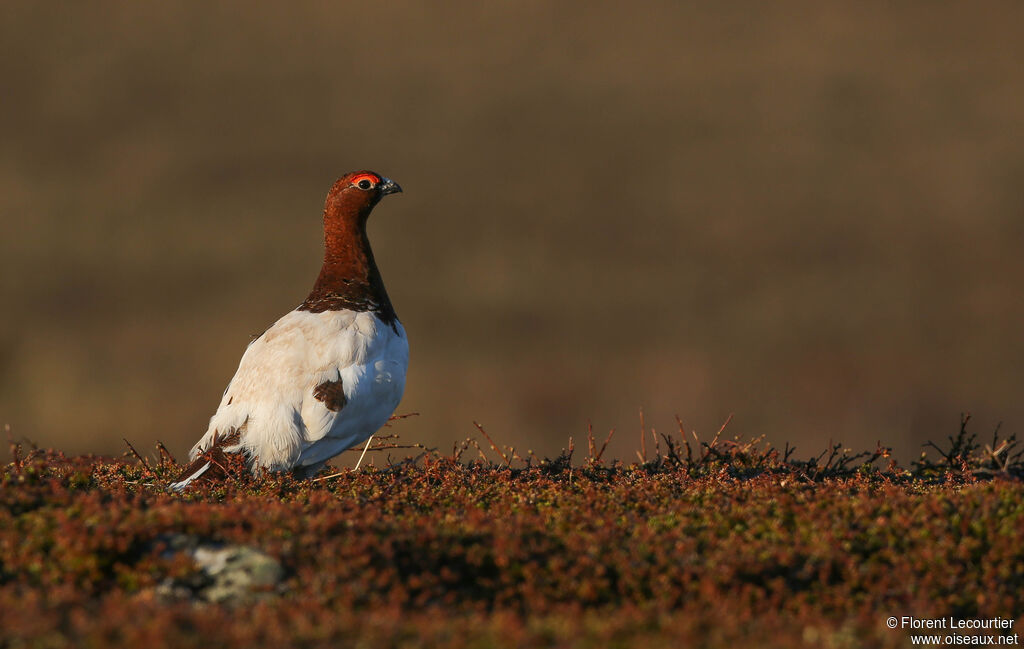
column 332, row 393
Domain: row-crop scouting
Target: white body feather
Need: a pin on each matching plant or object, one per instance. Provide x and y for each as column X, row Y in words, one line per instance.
column 271, row 400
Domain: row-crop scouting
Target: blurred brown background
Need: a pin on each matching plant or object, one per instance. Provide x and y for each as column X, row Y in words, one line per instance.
column 806, row 214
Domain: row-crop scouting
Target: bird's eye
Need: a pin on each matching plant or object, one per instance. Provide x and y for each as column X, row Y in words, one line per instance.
column 365, row 181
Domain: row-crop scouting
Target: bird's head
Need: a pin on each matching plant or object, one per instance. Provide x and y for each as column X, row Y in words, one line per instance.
column 355, row 194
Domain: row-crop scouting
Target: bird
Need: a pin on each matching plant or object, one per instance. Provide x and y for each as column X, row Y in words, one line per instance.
column 327, row 375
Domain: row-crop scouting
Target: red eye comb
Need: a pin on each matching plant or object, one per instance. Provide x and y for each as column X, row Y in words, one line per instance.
column 373, row 178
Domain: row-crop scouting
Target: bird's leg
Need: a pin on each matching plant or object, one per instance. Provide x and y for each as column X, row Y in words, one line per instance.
column 363, row 454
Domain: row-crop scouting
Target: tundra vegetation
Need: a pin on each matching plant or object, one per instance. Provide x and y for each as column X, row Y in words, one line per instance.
column 710, row 544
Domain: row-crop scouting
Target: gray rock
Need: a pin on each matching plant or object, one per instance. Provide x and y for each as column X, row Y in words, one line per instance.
column 224, row 573
column 238, row 572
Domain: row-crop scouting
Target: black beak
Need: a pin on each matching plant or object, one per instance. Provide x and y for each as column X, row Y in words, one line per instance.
column 388, row 186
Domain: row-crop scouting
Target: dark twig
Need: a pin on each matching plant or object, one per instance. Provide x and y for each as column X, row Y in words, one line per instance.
column 682, row 435
column 710, row 448
column 508, row 460
column 605, row 445
column 672, row 455
column 402, row 416
column 141, row 459
column 165, row 454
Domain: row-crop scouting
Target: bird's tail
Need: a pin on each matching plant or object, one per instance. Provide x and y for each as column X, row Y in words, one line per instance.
column 211, row 463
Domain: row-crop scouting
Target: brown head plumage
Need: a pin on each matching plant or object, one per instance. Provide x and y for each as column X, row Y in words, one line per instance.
column 349, row 278
column 354, row 195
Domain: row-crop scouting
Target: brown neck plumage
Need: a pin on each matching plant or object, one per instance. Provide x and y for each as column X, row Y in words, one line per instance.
column 349, row 278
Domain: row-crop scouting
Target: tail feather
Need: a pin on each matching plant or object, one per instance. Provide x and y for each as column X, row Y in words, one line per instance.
column 190, row 474
column 210, row 464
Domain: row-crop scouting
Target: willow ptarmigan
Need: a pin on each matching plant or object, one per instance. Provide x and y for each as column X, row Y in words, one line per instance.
column 327, row 375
